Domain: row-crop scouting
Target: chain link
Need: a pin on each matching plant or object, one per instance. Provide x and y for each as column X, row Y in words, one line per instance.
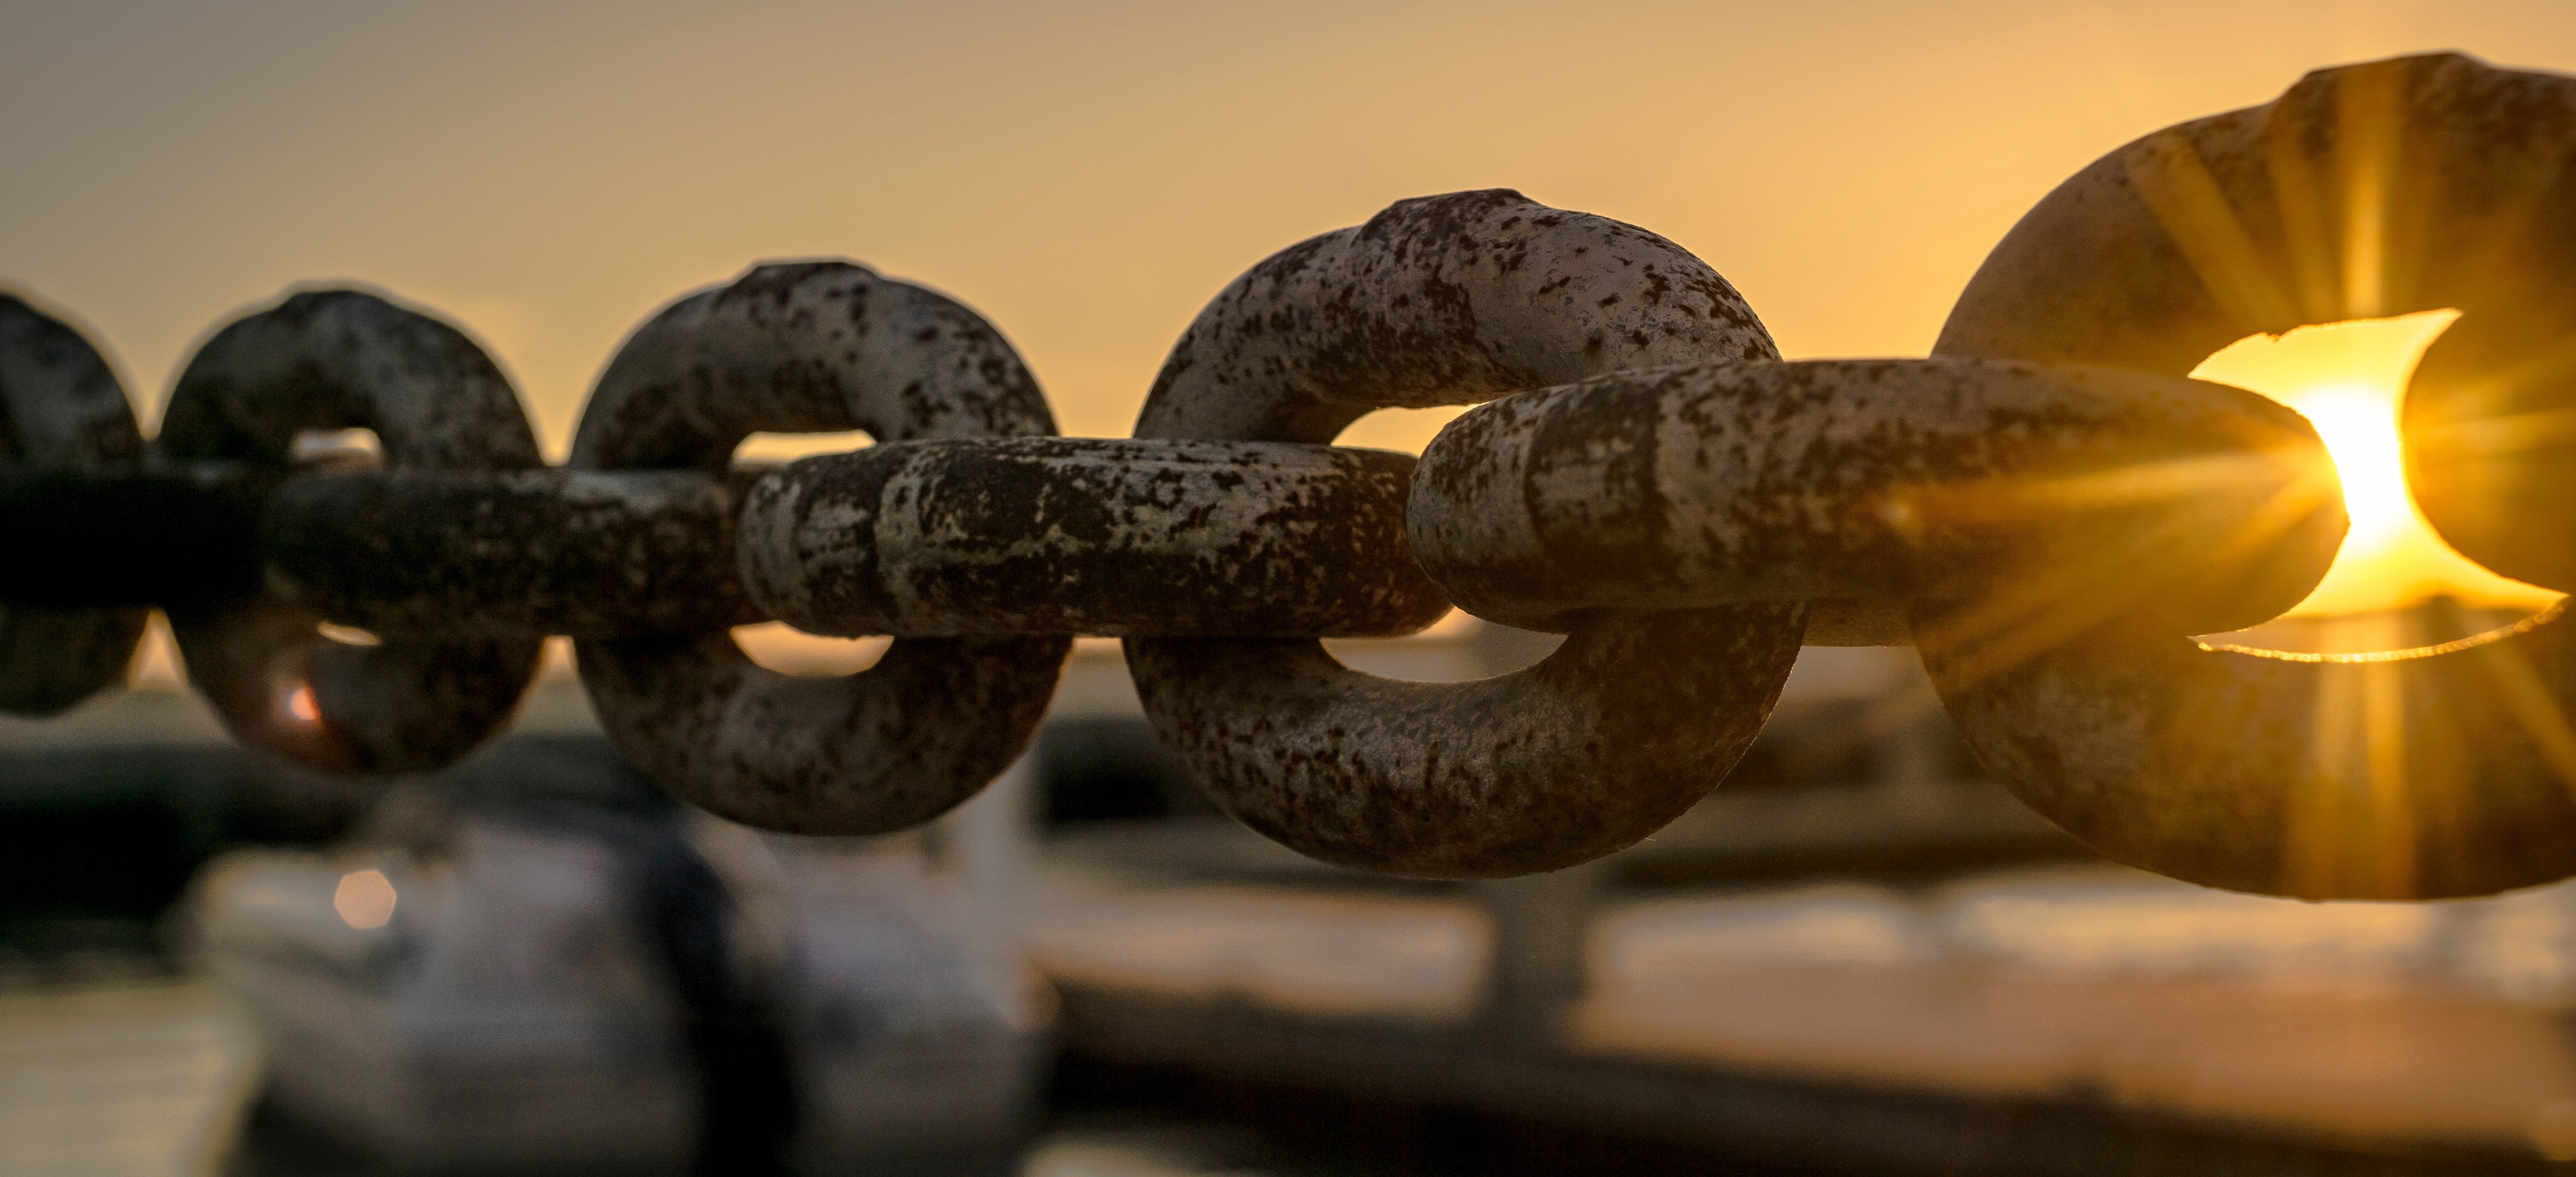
column 819, row 348
column 2438, row 776
column 2045, row 508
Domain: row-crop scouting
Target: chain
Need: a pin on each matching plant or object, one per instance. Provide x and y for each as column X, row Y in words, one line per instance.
column 2045, row 508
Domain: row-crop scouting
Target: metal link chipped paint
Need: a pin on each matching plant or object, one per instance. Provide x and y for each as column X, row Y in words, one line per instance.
column 2045, row 509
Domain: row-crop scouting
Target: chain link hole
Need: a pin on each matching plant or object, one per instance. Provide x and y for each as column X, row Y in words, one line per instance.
column 357, row 449
column 1456, row 648
column 156, row 665
column 1405, row 431
column 778, row 449
column 347, row 635
column 2397, row 589
column 775, row 645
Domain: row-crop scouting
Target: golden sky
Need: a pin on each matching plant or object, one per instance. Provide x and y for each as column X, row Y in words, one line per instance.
column 546, row 175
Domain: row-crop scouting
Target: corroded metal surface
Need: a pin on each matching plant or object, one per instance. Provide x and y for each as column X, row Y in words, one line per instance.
column 1628, row 724
column 2041, row 490
column 1089, row 535
column 1443, row 300
column 815, row 347
column 591, row 553
column 2424, row 778
column 63, row 414
column 403, row 706
column 2415, row 184
column 808, row 347
column 335, row 360
column 890, row 747
column 1451, row 300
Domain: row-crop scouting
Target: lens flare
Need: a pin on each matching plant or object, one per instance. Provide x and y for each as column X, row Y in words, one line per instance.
column 364, row 899
column 2347, row 378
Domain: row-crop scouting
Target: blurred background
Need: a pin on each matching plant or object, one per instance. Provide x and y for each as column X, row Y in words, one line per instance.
column 1859, row 956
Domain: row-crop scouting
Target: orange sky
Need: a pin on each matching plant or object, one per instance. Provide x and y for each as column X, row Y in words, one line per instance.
column 547, row 175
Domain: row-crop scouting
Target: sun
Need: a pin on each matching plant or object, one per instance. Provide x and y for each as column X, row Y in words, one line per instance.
column 2346, row 378
column 2359, row 426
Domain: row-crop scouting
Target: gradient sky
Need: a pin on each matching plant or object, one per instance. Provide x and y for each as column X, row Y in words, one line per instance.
column 547, row 175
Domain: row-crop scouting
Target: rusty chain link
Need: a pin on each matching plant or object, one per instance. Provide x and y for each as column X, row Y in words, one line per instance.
column 331, row 361
column 2217, row 766
column 2045, row 508
column 816, row 348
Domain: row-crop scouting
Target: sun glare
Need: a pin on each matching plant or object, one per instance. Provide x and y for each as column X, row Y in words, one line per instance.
column 2346, row 378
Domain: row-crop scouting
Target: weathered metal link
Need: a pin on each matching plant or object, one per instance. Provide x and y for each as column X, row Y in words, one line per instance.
column 2421, row 778
column 1627, row 725
column 2416, row 777
column 1088, row 535
column 62, row 416
column 1451, row 300
column 814, row 347
column 505, row 554
column 1443, row 300
column 333, row 360
column 1872, row 482
column 2297, row 212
